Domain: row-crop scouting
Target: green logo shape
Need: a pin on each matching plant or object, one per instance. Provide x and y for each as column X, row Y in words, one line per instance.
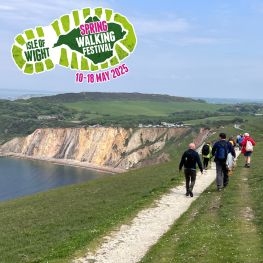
column 87, row 39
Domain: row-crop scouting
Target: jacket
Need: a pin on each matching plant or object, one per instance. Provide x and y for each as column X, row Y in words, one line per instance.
column 229, row 146
column 195, row 159
column 209, row 155
column 244, row 142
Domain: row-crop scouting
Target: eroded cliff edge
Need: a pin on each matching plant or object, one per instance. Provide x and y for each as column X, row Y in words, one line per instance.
column 102, row 147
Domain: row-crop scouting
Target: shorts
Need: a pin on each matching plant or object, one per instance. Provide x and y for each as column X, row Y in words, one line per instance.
column 247, row 154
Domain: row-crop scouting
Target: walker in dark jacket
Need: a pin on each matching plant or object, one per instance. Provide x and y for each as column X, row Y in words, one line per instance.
column 189, row 160
column 221, row 168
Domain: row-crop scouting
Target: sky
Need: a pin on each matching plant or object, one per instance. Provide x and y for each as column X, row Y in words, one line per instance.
column 184, row 48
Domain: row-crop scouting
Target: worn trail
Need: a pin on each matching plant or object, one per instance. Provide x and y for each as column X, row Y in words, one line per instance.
column 130, row 243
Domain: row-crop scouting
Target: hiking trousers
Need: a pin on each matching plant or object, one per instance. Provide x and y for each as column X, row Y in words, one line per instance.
column 221, row 174
column 190, row 176
column 205, row 162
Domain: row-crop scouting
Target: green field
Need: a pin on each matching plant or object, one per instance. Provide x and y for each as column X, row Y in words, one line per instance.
column 221, row 227
column 60, row 224
column 147, row 108
column 22, row 117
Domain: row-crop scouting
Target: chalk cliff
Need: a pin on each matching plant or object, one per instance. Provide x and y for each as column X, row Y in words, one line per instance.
column 101, row 146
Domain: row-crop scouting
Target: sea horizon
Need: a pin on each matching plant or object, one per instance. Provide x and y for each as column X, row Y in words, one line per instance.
column 14, row 94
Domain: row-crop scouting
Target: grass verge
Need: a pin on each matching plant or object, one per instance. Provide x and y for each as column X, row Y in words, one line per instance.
column 52, row 226
column 219, row 226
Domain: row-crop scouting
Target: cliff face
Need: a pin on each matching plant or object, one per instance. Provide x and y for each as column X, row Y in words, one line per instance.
column 114, row 147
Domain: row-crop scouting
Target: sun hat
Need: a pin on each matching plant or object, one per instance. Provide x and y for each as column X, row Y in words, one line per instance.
column 246, row 134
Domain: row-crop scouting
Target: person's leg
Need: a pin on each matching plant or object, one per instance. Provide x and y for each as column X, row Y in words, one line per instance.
column 248, row 159
column 225, row 174
column 219, row 175
column 187, row 180
column 192, row 183
column 205, row 162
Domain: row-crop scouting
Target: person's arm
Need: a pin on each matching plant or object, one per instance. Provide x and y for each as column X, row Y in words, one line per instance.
column 181, row 163
column 231, row 149
column 210, row 152
column 199, row 163
column 253, row 141
column 214, row 149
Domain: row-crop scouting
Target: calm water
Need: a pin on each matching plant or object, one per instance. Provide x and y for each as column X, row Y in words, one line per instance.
column 19, row 177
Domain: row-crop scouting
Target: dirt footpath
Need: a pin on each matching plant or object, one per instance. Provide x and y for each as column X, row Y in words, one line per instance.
column 131, row 242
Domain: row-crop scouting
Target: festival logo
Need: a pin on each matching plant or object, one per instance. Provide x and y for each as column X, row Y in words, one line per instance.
column 89, row 40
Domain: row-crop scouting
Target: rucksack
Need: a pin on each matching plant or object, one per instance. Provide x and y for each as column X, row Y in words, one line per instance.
column 240, row 139
column 205, row 149
column 189, row 159
column 221, row 151
column 249, row 146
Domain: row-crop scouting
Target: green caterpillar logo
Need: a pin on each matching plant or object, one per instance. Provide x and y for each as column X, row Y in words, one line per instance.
column 87, row 39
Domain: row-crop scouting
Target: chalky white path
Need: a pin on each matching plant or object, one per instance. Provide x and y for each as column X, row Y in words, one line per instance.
column 130, row 243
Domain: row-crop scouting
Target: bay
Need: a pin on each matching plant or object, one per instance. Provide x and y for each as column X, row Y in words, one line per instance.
column 20, row 177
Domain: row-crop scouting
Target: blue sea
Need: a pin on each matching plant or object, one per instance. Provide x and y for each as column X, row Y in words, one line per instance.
column 21, row 177
column 14, row 94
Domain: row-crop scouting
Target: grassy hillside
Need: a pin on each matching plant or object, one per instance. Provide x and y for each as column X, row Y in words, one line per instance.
column 21, row 117
column 221, row 226
column 139, row 107
column 58, row 224
column 55, row 225
column 104, row 96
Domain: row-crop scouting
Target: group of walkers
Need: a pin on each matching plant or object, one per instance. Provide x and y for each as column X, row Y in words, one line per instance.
column 224, row 155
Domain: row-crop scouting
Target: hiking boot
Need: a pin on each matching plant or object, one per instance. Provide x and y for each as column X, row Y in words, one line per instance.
column 187, row 193
column 191, row 193
column 248, row 165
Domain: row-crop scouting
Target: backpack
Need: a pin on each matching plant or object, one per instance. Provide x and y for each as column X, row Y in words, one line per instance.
column 205, row 149
column 189, row 159
column 221, row 151
column 249, row 146
column 240, row 139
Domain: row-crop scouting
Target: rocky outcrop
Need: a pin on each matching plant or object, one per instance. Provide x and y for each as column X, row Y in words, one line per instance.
column 100, row 146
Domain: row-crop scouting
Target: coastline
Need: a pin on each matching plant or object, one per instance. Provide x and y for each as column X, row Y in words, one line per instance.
column 68, row 162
